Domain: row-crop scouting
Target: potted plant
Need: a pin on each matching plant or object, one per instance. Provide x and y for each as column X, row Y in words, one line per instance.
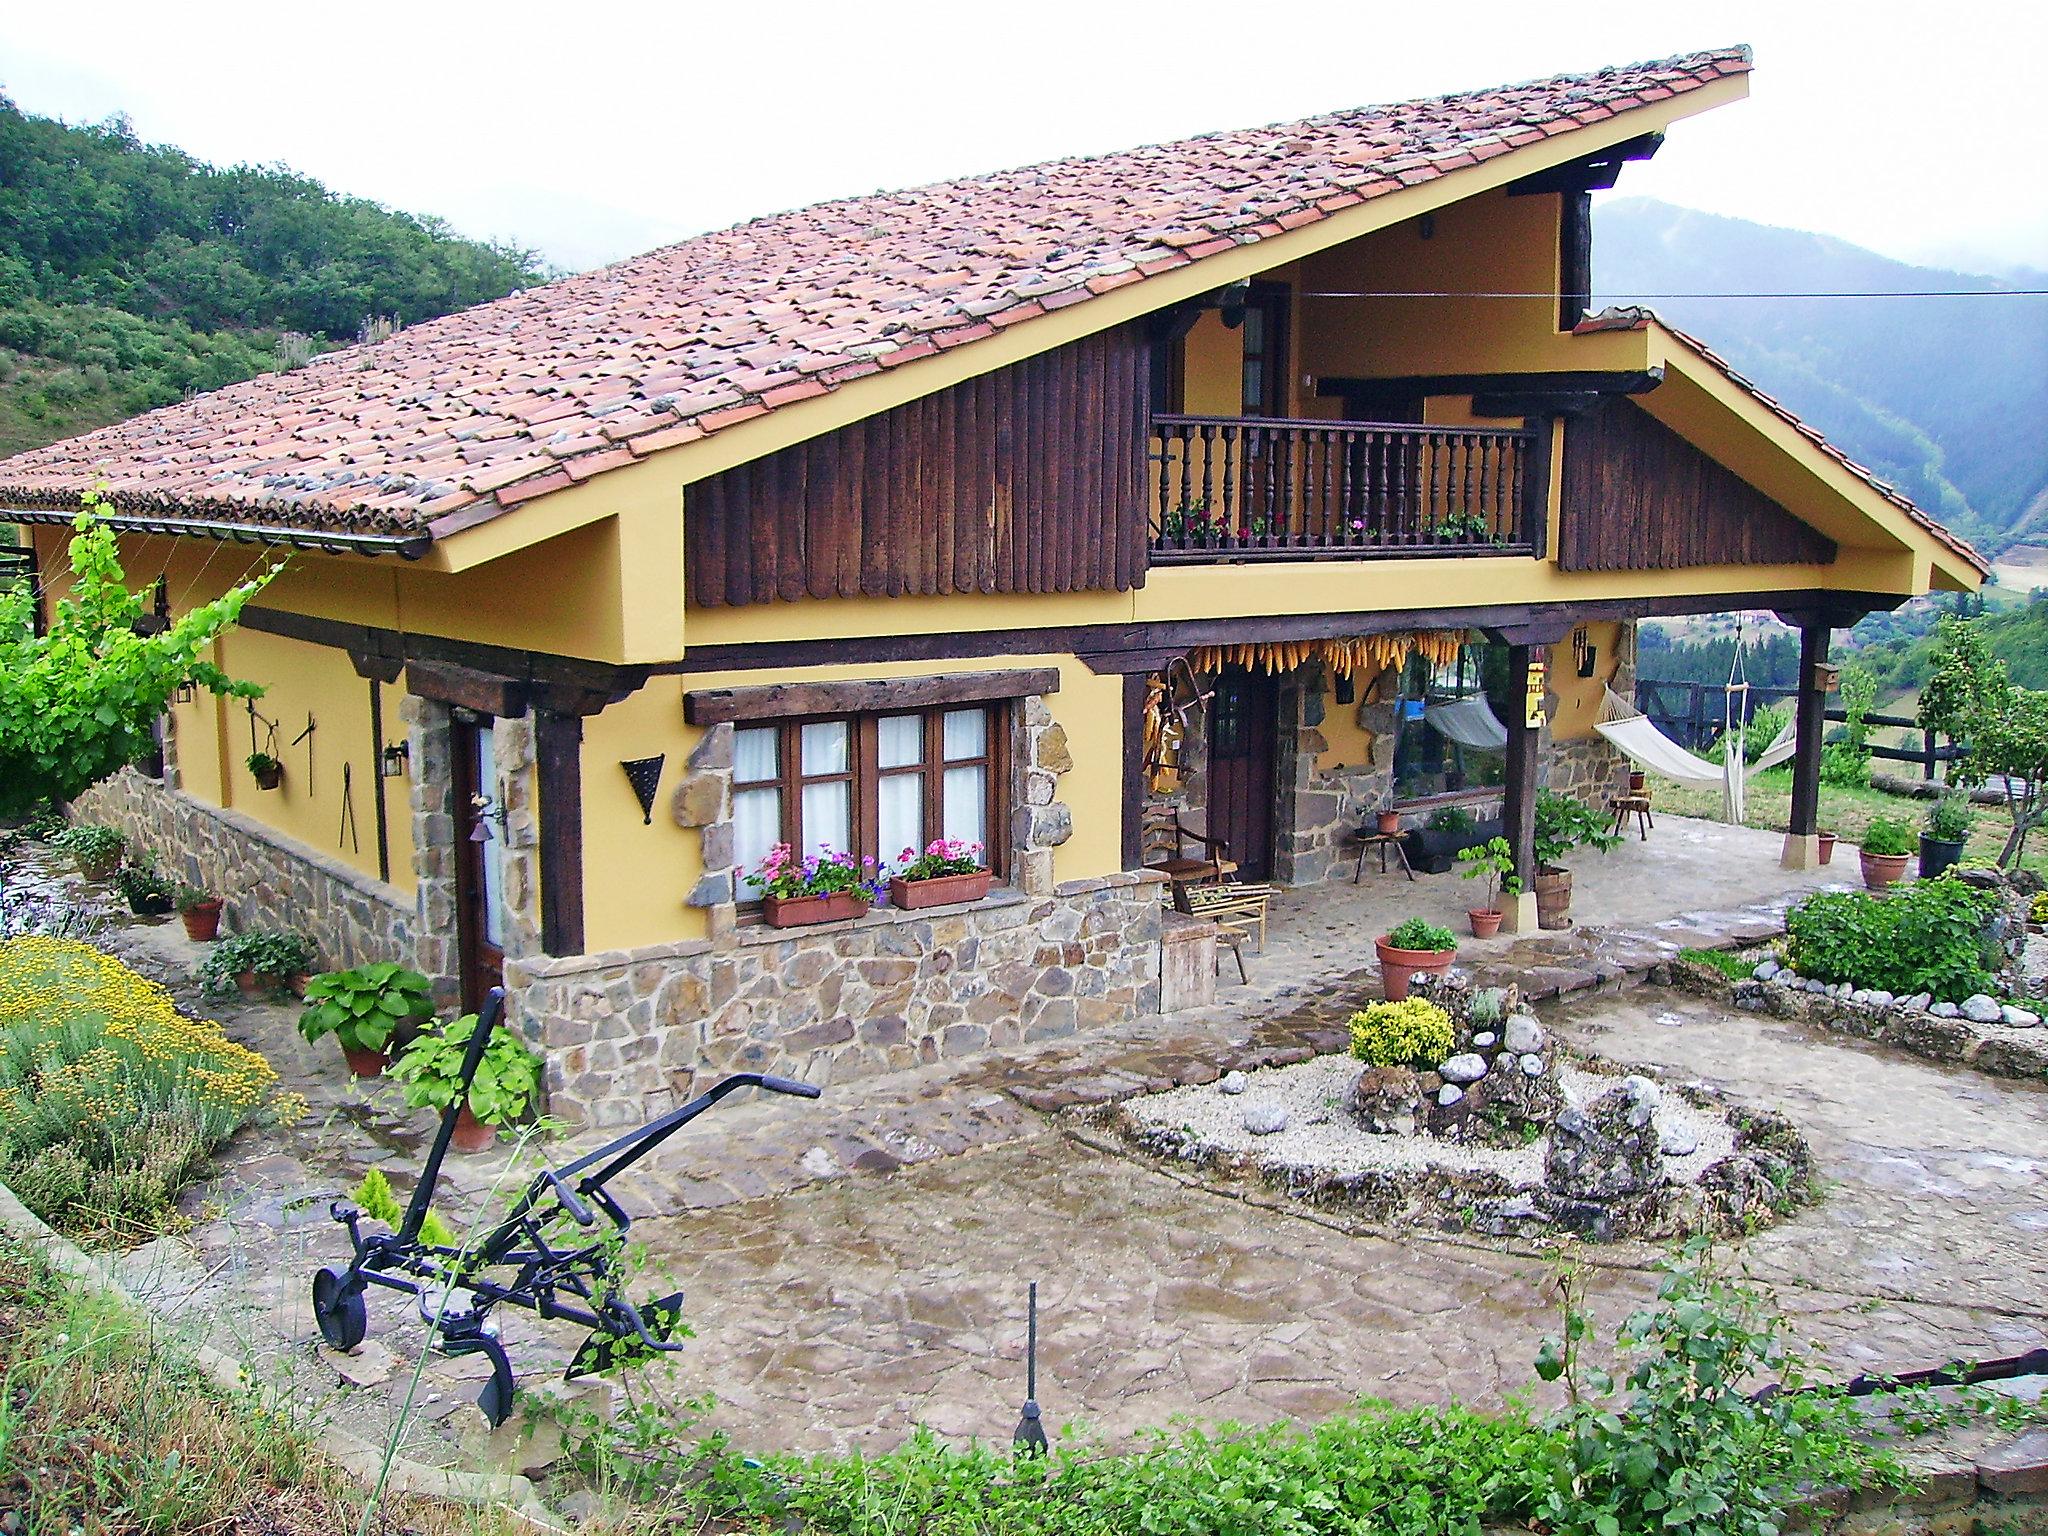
column 260, row 963
column 268, row 770
column 1947, row 830
column 1433, row 847
column 820, row 889
column 200, row 914
column 1415, row 948
column 1389, row 820
column 149, row 891
column 1887, row 844
column 946, row 871
column 97, row 850
column 506, row 1085
column 1827, row 847
column 1637, row 781
column 1494, row 862
column 1562, row 824
column 366, row 1009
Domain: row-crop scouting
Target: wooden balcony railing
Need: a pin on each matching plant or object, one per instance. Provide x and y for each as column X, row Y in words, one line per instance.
column 1241, row 488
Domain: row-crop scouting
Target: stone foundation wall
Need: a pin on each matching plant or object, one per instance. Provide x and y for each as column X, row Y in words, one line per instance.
column 631, row 1033
column 269, row 880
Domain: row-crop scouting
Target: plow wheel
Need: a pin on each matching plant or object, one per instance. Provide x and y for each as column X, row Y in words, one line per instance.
column 338, row 1309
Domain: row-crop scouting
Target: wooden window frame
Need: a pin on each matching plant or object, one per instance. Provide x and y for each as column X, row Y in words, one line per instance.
column 1274, row 301
column 864, row 775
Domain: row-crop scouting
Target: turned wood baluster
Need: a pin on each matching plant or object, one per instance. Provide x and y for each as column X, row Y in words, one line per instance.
column 1209, row 468
column 1187, row 450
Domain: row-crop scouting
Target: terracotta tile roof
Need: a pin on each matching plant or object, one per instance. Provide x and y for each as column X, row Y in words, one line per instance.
column 449, row 422
column 1635, row 317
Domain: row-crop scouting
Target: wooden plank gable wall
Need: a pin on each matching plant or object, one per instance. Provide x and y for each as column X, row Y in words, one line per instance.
column 1638, row 497
column 1027, row 479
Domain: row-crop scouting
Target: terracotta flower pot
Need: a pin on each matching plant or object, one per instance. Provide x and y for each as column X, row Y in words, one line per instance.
column 1883, row 869
column 202, row 922
column 1485, row 924
column 1827, row 847
column 258, row 986
column 1636, row 781
column 798, row 911
column 365, row 1062
column 1553, row 889
column 471, row 1134
column 269, row 778
column 1399, row 967
column 940, row 890
column 1390, row 823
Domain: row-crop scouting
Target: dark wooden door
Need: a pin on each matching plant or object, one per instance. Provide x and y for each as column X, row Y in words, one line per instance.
column 1243, row 720
column 479, row 887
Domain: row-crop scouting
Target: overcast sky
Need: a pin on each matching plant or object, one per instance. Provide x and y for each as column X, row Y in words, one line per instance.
column 594, row 131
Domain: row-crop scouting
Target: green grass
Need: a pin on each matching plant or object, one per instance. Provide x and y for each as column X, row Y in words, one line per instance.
column 1728, row 963
column 1845, row 812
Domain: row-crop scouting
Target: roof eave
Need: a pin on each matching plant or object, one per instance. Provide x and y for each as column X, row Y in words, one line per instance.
column 406, row 546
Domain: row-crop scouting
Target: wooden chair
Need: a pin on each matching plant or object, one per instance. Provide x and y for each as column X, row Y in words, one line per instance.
column 1230, row 933
column 1165, row 840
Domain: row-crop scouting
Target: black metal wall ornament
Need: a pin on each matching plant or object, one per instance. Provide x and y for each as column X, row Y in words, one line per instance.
column 644, row 774
column 1029, row 1438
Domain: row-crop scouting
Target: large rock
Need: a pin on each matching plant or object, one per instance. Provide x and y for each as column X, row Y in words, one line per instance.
column 1385, row 1100
column 1466, row 1068
column 1523, row 1035
column 1608, row 1150
column 1264, row 1119
column 1981, row 1009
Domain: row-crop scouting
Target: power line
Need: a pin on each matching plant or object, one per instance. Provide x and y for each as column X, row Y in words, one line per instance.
column 1887, row 293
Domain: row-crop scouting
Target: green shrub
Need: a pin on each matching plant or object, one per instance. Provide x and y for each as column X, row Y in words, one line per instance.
column 1487, row 1007
column 1950, row 819
column 90, row 844
column 1925, row 936
column 1887, row 836
column 110, row 1099
column 1844, row 766
column 1563, row 824
column 1415, row 933
column 378, row 1203
column 143, row 882
column 1450, row 818
column 1410, row 1033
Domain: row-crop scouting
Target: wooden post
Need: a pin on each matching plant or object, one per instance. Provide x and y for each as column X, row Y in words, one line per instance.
column 1518, row 795
column 1135, row 692
column 558, row 770
column 1802, row 846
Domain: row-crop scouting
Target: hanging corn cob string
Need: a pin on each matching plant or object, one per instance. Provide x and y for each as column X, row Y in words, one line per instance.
column 1344, row 656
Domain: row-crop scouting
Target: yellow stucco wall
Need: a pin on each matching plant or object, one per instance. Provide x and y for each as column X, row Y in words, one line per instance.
column 1578, row 698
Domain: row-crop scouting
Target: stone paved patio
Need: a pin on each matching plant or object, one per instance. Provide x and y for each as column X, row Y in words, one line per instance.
column 858, row 1265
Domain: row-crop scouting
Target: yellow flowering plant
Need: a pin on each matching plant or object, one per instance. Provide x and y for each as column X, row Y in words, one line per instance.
column 111, row 1100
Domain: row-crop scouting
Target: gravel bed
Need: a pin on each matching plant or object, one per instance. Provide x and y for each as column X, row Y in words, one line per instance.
column 1322, row 1136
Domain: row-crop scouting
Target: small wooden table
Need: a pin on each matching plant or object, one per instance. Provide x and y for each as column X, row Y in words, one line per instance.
column 1367, row 838
column 1636, row 804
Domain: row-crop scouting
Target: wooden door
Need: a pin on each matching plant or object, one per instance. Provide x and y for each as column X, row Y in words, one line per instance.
column 479, row 882
column 1243, row 729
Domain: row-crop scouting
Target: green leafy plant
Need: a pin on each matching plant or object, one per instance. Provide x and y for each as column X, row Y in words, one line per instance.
column 1677, row 1445
column 262, row 763
column 1844, row 766
column 365, row 1008
column 1726, row 961
column 507, row 1079
column 145, row 885
column 276, row 956
column 1417, row 933
column 1927, row 936
column 91, row 844
column 1887, row 836
column 1450, row 818
column 1494, row 862
column 374, row 1197
column 2037, row 910
column 1410, row 1033
column 1971, row 698
column 1951, row 819
column 1563, row 824
column 1486, row 1007
column 77, row 702
column 1858, row 692
column 1462, row 525
column 191, row 896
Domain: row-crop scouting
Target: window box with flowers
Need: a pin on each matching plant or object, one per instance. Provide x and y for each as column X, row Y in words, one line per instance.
column 947, row 871
column 826, row 887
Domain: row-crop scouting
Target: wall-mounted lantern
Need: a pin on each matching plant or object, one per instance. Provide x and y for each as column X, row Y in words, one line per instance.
column 396, row 762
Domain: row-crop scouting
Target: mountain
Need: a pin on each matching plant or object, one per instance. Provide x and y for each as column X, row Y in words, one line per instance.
column 132, row 274
column 1945, row 397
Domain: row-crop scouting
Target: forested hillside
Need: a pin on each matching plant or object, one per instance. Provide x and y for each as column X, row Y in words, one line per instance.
column 1947, row 398
column 132, row 274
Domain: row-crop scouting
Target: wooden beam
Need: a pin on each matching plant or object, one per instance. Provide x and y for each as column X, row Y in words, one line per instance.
column 1575, row 257
column 1566, row 381
column 377, row 778
column 1518, row 791
column 1593, row 172
column 1811, row 718
column 1135, row 695
column 485, row 692
column 558, row 776
column 781, row 701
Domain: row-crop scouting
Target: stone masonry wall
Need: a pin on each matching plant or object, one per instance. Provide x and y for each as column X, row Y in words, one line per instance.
column 269, row 880
column 632, row 1033
column 1590, row 768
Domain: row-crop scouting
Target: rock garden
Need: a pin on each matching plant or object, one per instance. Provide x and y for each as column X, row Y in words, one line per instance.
column 1455, row 1109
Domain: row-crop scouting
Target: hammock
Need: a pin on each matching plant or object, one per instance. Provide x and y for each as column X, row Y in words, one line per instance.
column 1649, row 748
column 1468, row 722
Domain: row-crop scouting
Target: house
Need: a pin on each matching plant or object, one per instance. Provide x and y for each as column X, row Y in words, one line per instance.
column 918, row 514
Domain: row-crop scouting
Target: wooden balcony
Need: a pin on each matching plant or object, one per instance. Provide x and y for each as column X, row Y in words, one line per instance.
column 1228, row 488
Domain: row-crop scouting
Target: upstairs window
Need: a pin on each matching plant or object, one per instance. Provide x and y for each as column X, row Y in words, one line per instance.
column 871, row 785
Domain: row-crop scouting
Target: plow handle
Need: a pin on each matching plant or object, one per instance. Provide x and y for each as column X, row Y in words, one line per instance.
column 789, row 1085
column 423, row 1192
